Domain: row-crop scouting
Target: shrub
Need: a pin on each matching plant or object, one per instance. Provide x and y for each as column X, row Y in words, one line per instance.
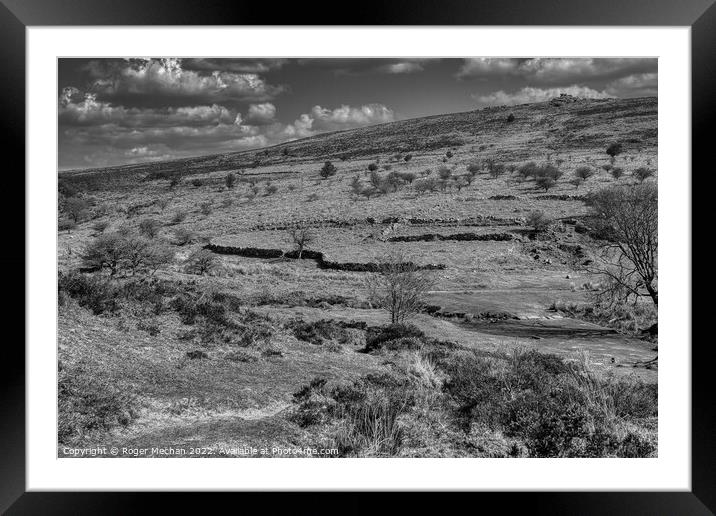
column 407, row 157
column 641, row 174
column 197, row 182
column 201, row 261
column 179, row 217
column 375, row 179
column 66, row 224
column 371, row 427
column 614, row 149
column 584, row 173
column 391, row 182
column 162, row 204
column 75, row 208
column 328, row 169
column 510, row 118
column 407, row 177
column 271, row 189
column 538, row 220
column 558, row 409
column 175, row 180
column 183, row 237
column 617, row 173
column 88, row 403
column 394, row 332
column 449, row 154
column 94, row 293
column 372, row 167
column 367, row 412
column 425, row 185
column 497, row 169
column 356, row 185
column 545, row 182
column 549, row 171
column 230, row 180
column 528, row 169
column 100, row 226
column 444, row 173
column 149, row 227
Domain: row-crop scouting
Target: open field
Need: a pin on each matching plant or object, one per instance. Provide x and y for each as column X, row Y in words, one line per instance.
column 290, row 339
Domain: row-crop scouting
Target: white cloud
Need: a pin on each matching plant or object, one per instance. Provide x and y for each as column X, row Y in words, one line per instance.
column 167, row 77
column 555, row 70
column 90, row 111
column 261, row 114
column 322, row 119
column 488, row 66
column 105, row 133
column 637, row 85
column 401, row 67
column 346, row 117
column 530, row 94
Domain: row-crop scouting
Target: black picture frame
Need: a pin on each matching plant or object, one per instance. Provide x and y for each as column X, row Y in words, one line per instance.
column 16, row 15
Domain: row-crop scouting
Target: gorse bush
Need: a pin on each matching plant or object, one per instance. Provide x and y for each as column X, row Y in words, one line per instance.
column 559, row 409
column 641, row 174
column 94, row 293
column 368, row 412
column 230, row 180
column 88, row 404
column 614, row 149
column 328, row 169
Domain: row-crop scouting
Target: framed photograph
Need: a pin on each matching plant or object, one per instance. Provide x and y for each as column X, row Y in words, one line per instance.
column 421, row 251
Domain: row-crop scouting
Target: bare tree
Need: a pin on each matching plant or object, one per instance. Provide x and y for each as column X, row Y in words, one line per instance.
column 399, row 286
column 627, row 217
column 301, row 235
column 201, row 261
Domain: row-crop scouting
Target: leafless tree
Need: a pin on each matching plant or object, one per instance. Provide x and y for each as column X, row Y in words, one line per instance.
column 201, row 262
column 301, row 236
column 627, row 217
column 399, row 286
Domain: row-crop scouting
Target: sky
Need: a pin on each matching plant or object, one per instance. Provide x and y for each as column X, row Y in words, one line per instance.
column 134, row 110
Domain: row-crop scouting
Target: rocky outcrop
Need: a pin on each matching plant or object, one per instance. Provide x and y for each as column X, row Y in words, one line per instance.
column 563, row 99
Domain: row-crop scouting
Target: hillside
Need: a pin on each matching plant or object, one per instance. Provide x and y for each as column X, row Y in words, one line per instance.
column 552, row 127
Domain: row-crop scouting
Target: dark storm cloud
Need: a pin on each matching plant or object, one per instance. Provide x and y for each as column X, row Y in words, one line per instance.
column 117, row 111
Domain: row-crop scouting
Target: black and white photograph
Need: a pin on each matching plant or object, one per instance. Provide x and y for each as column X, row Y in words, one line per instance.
column 357, row 257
